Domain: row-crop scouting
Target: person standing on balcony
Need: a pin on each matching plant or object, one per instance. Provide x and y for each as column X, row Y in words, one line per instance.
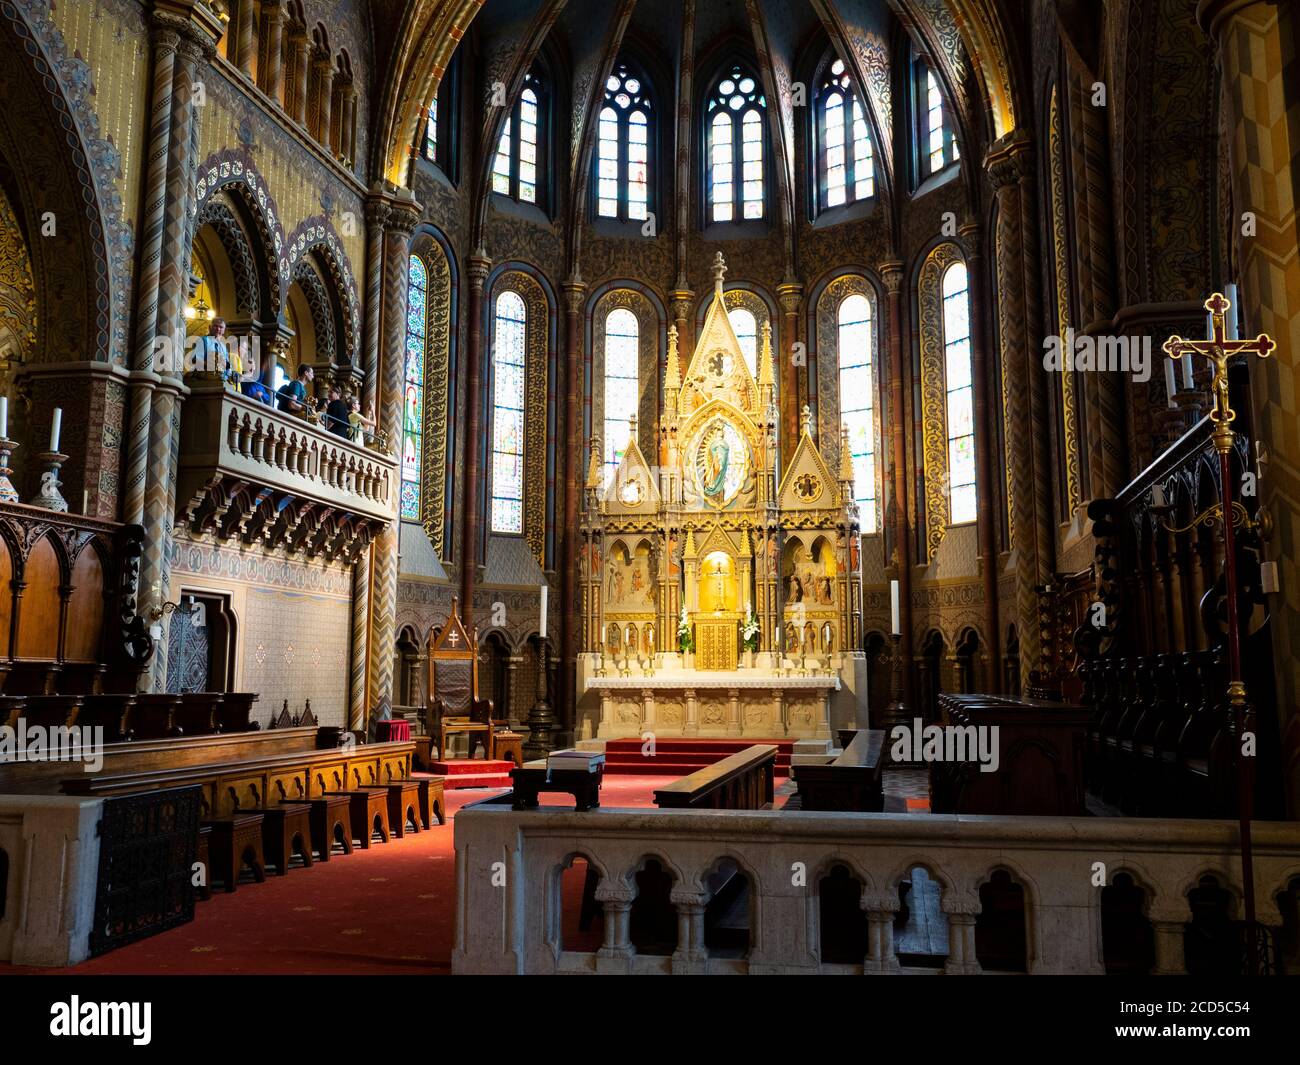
column 360, row 425
column 292, row 398
column 336, row 414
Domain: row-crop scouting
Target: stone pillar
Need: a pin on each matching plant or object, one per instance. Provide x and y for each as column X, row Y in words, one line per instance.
column 1257, row 45
column 985, row 435
column 358, row 677
column 891, row 273
column 323, row 76
column 244, row 48
column 574, row 476
column 616, row 955
column 471, row 518
column 404, row 214
column 690, row 955
column 1030, row 524
column 881, row 959
column 961, row 938
column 790, row 296
column 297, row 92
column 153, row 222
column 1169, row 930
column 271, row 75
column 196, row 39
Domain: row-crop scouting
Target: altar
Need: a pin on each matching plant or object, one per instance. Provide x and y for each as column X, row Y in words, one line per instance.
column 721, row 589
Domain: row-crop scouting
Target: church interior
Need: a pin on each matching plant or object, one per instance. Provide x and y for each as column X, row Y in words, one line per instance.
column 522, row 477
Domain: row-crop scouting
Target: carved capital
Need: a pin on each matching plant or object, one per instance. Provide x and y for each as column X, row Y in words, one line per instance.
column 477, row 266
column 1010, row 161
column 789, row 295
column 574, row 290
column 891, row 273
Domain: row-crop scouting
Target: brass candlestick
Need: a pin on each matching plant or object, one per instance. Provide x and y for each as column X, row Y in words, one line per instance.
column 48, row 496
column 8, row 494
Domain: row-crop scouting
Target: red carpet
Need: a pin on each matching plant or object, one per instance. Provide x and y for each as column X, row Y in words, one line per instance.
column 473, row 773
column 387, row 910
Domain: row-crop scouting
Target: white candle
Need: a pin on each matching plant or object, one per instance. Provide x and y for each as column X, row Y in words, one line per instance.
column 4, row 417
column 1171, row 386
column 56, row 423
column 897, row 627
column 85, row 501
column 1233, row 324
column 541, row 625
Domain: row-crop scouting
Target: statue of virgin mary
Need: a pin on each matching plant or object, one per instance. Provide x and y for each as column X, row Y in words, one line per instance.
column 717, row 457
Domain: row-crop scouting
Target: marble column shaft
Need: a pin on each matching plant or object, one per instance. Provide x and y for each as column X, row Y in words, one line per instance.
column 574, row 291
column 891, row 273
column 471, row 519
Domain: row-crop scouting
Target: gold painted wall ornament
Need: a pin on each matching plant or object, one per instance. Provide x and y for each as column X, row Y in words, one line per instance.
column 1061, row 260
column 934, row 425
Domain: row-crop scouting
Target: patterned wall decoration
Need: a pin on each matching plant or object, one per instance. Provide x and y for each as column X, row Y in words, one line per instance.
column 97, row 54
column 651, row 378
column 305, row 185
column 1061, row 264
column 233, row 171
column 318, row 303
column 827, row 365
column 234, row 242
column 17, row 293
column 535, row 398
column 437, row 362
column 933, row 393
column 316, row 236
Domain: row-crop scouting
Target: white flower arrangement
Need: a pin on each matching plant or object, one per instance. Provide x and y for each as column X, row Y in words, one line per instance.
column 685, row 634
column 749, row 632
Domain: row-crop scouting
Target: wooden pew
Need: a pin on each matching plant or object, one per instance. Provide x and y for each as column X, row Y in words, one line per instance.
column 851, row 782
column 1040, row 758
column 229, row 786
column 742, row 781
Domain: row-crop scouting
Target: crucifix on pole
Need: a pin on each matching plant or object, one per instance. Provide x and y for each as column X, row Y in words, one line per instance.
column 1219, row 349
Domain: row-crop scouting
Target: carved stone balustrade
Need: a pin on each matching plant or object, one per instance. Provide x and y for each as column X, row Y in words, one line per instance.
column 251, row 472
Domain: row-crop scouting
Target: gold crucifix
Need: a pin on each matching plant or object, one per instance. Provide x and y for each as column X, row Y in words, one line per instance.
column 1219, row 349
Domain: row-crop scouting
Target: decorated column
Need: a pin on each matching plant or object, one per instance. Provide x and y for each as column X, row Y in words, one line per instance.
column 403, row 215
column 790, row 296
column 470, row 516
column 892, row 274
column 574, row 291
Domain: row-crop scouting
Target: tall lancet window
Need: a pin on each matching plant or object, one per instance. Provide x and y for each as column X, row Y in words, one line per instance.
column 509, row 358
column 735, row 148
column 960, row 394
column 431, row 132
column 745, row 326
column 936, row 142
column 417, row 312
column 846, row 164
column 623, row 149
column 857, row 399
column 622, row 384
column 518, row 166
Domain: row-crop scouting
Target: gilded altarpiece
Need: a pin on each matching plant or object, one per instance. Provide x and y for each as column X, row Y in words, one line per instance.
column 681, row 555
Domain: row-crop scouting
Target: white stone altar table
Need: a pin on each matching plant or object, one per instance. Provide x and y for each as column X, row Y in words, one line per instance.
column 756, row 703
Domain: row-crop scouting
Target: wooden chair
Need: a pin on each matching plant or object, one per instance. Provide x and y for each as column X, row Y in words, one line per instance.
column 453, row 687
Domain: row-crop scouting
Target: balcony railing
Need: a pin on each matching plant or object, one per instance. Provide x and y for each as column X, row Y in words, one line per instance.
column 253, row 472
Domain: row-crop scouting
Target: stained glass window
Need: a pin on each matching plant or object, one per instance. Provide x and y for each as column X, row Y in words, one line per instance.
column 734, row 149
column 845, row 156
column 431, row 132
column 417, row 299
column 937, row 145
column 509, row 356
column 857, row 401
column 517, row 166
column 745, row 327
column 960, row 398
column 622, row 384
column 623, row 148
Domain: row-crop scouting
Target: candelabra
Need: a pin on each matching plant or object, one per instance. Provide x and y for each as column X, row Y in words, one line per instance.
column 48, row 496
column 7, row 492
column 541, row 721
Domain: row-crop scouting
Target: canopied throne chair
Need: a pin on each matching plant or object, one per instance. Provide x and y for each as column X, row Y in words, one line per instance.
column 454, row 703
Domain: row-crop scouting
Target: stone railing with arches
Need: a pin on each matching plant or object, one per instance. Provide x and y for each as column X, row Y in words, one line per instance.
column 250, row 471
column 511, row 912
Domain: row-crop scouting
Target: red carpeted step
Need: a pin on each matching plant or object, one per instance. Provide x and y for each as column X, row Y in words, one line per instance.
column 473, row 773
